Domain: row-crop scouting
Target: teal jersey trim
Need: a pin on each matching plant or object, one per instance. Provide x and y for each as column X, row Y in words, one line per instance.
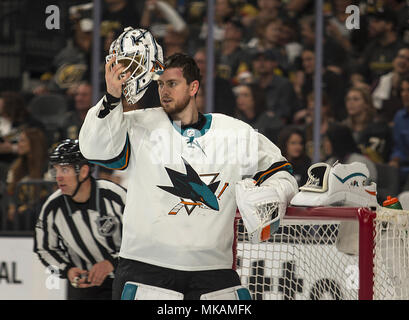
column 118, row 163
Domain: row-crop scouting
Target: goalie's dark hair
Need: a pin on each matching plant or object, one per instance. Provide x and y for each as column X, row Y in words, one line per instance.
column 191, row 71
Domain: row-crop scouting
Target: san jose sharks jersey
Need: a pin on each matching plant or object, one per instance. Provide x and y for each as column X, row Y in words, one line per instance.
column 180, row 205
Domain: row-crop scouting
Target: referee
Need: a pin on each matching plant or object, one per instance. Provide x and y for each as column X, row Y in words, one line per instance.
column 79, row 229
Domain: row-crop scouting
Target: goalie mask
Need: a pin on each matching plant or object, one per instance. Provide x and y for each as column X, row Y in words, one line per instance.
column 141, row 55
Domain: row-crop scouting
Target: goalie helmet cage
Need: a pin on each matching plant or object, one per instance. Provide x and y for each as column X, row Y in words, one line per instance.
column 303, row 259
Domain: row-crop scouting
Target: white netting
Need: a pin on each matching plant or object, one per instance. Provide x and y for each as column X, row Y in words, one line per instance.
column 302, row 261
column 266, row 211
column 391, row 262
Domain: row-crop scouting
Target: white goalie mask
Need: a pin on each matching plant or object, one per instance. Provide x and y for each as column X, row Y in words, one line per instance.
column 140, row 54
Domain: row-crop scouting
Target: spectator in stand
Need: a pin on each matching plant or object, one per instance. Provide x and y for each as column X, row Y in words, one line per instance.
column 386, row 94
column 333, row 84
column 224, row 100
column 290, row 42
column 31, row 163
column 371, row 133
column 335, row 57
column 74, row 119
column 252, row 109
column 280, row 95
column 174, row 41
column 305, row 120
column 223, row 11
column 271, row 39
column 71, row 64
column 266, row 10
column 231, row 58
column 291, row 141
column 297, row 8
column 401, row 9
column 117, row 15
column 14, row 118
column 357, row 80
column 400, row 153
column 161, row 16
column 336, row 21
column 339, row 145
column 377, row 58
column 121, row 13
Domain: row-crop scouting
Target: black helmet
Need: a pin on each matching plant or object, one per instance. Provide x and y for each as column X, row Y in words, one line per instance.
column 67, row 152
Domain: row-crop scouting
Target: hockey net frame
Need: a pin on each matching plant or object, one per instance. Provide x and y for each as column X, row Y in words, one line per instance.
column 307, row 240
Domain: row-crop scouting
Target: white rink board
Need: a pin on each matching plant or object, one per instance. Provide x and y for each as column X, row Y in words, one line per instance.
column 22, row 276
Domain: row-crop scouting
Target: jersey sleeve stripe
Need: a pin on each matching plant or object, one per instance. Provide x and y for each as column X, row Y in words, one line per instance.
column 118, row 163
column 261, row 176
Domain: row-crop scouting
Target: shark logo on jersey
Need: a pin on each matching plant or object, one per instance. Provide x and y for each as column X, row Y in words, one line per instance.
column 192, row 190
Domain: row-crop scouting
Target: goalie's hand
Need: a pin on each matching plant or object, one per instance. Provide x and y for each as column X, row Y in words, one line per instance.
column 261, row 209
column 113, row 78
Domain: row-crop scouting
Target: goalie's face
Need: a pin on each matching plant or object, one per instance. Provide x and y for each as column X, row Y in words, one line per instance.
column 174, row 92
column 134, row 64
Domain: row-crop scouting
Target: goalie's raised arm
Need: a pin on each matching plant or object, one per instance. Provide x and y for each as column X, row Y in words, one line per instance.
column 134, row 60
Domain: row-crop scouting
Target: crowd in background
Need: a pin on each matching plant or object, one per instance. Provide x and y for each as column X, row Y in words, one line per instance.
column 264, row 75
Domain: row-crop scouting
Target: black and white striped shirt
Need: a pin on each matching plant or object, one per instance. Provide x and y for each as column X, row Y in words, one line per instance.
column 70, row 234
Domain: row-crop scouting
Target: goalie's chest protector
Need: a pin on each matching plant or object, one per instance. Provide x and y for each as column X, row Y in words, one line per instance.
column 181, row 202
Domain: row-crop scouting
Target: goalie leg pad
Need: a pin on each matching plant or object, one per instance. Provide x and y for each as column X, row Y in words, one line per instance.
column 140, row 291
column 232, row 293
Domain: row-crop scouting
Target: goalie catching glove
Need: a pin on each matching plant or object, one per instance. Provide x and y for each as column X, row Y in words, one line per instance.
column 261, row 209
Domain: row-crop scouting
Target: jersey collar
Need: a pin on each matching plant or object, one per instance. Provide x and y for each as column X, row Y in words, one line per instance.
column 199, row 128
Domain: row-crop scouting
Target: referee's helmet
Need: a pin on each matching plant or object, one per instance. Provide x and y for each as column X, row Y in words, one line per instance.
column 68, row 153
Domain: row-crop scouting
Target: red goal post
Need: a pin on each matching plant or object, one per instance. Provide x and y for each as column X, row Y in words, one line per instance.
column 303, row 261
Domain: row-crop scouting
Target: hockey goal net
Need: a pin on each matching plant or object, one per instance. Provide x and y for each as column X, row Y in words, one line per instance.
column 304, row 259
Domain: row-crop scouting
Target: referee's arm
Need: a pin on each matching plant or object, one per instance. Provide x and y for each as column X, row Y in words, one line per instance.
column 46, row 243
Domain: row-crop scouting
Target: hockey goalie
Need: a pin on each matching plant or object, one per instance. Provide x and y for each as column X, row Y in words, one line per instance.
column 186, row 172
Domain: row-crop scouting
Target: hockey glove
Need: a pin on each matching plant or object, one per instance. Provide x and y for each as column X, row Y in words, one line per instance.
column 261, row 209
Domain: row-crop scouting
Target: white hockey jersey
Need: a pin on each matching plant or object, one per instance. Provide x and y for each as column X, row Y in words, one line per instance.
column 180, row 204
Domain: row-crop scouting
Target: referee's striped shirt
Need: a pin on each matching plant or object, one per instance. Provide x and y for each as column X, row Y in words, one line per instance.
column 70, row 234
